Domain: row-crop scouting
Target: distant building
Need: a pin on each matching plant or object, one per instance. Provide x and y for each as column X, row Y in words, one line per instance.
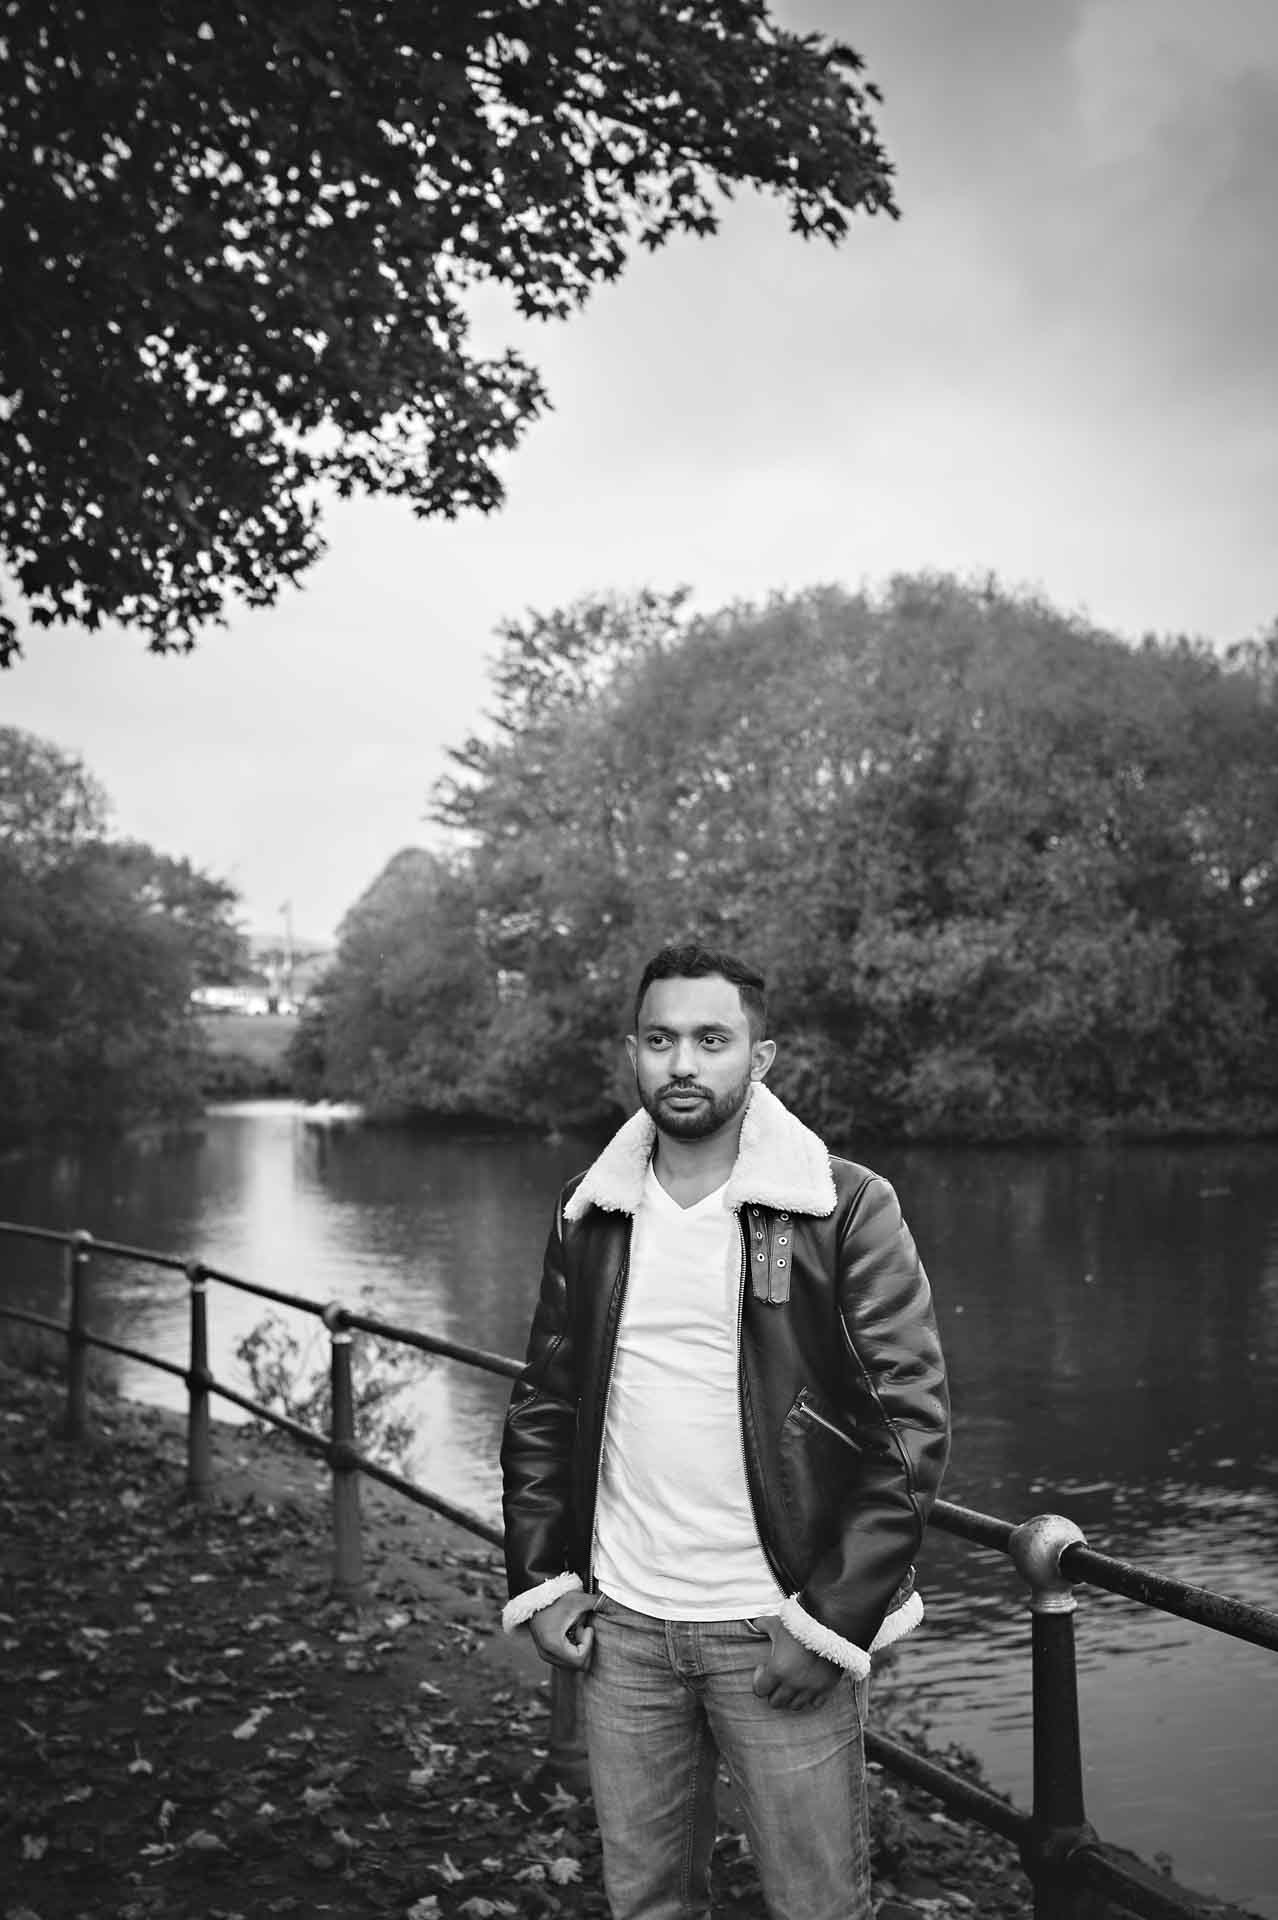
column 242, row 998
column 278, row 981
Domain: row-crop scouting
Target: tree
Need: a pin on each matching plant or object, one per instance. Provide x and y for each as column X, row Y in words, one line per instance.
column 49, row 802
column 239, row 244
column 1007, row 874
column 198, row 909
column 398, row 1020
column 101, row 942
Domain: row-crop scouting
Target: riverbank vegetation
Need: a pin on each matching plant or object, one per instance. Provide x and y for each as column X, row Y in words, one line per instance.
column 1010, row 876
column 246, row 1056
column 101, row 943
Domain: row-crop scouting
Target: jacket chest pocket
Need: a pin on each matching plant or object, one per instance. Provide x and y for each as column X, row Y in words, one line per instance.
column 819, row 1461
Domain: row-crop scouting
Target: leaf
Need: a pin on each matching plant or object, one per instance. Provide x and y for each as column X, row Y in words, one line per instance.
column 425, row 1909
column 447, row 1869
column 247, row 1728
column 564, row 1870
column 34, row 1846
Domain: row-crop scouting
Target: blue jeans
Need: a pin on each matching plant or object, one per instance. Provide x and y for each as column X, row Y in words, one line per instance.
column 662, row 1701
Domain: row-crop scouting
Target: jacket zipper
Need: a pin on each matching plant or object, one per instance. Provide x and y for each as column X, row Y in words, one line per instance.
column 805, row 1412
column 778, row 1573
column 622, row 1279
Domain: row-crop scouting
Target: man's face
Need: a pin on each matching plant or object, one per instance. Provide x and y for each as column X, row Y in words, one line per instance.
column 693, row 1057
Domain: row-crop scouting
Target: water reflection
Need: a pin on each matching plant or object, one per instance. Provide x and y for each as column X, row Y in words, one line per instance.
column 1111, row 1319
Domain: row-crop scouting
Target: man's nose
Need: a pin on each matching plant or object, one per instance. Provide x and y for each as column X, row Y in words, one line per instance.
column 683, row 1061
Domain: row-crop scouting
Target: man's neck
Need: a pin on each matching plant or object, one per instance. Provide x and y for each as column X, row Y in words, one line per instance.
column 691, row 1169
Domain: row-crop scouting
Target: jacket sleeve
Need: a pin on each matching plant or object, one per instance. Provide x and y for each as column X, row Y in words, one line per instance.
column 537, row 1451
column 859, row 1596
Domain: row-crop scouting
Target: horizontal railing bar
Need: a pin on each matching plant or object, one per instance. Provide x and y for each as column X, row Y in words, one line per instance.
column 316, row 1442
column 1096, row 1866
column 33, row 1319
column 118, row 1250
column 1237, row 1618
column 983, row 1529
column 317, row 1307
column 437, row 1504
column 1163, row 1592
column 435, row 1343
column 35, row 1233
column 133, row 1353
column 951, row 1788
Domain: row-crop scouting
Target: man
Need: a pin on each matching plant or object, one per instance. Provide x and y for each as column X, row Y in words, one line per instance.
column 720, row 1459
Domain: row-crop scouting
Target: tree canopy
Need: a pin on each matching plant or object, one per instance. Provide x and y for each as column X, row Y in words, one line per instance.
column 409, row 991
column 238, row 245
column 101, row 942
column 1009, row 876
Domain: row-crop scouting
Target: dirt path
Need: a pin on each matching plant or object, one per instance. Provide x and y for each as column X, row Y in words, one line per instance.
column 191, row 1727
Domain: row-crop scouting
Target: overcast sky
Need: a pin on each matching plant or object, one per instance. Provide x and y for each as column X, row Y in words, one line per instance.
column 1061, row 364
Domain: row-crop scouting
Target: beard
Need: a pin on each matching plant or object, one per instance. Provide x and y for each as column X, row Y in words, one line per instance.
column 698, row 1122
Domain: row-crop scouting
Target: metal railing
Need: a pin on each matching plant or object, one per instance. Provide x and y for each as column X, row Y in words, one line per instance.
column 1075, row 1875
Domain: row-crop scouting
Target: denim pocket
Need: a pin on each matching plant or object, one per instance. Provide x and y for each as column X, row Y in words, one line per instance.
column 757, row 1627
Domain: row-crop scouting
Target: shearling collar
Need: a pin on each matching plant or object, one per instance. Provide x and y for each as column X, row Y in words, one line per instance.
column 780, row 1163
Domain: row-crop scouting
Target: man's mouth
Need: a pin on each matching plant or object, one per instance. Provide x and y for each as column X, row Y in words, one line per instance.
column 677, row 1095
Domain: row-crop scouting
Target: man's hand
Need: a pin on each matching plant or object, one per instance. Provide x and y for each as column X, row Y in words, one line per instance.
column 562, row 1632
column 792, row 1675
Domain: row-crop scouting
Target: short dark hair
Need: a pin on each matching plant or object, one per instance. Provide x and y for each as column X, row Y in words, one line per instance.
column 694, row 962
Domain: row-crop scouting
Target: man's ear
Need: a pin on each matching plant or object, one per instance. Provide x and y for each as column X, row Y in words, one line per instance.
column 762, row 1054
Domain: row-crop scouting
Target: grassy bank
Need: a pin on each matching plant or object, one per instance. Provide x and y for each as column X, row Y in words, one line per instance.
column 200, row 1730
column 247, row 1055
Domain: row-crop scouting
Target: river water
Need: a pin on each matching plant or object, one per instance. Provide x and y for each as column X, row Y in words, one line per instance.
column 1111, row 1321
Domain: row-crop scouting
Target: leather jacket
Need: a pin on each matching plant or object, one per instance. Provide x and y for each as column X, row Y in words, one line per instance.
column 843, row 1400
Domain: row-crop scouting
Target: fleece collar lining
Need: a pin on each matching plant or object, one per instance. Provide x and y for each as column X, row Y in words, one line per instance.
column 780, row 1164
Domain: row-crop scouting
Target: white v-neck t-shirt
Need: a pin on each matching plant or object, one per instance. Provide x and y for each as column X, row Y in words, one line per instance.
column 675, row 1533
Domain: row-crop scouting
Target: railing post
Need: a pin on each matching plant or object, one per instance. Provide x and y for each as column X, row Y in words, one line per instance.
column 1059, row 1822
column 199, row 1444
column 76, row 1422
column 566, row 1756
column 348, row 1549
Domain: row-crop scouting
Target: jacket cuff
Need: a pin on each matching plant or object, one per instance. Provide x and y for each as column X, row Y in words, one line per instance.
column 810, row 1633
column 900, row 1621
column 525, row 1605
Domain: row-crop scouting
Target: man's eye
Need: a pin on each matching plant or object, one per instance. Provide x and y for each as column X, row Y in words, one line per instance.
column 713, row 1040
column 657, row 1040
